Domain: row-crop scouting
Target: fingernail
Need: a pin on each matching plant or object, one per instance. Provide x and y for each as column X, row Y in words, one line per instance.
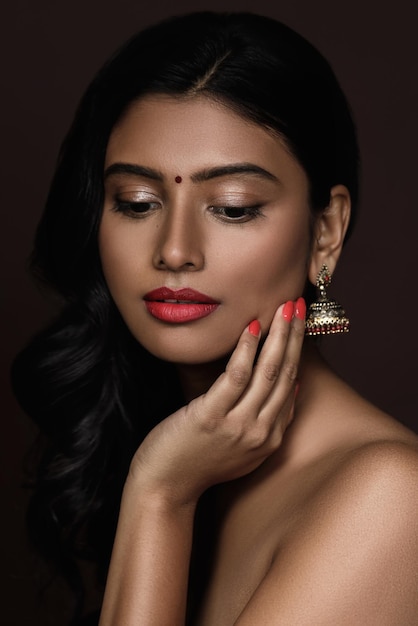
column 254, row 328
column 288, row 309
column 300, row 309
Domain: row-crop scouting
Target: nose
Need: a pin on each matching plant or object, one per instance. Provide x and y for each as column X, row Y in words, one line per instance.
column 180, row 244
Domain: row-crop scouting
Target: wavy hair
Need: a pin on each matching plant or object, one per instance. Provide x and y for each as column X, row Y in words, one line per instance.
column 85, row 381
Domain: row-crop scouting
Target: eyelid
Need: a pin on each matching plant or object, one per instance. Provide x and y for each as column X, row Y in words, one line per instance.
column 249, row 213
column 127, row 208
column 134, row 195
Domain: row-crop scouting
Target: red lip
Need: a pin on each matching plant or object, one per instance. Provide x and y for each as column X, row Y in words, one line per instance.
column 179, row 306
column 186, row 294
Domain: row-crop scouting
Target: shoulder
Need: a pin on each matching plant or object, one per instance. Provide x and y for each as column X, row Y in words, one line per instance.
column 362, row 530
column 387, row 462
column 370, row 451
column 374, row 482
column 353, row 555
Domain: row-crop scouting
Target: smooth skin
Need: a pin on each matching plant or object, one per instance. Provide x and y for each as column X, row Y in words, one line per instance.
column 316, row 491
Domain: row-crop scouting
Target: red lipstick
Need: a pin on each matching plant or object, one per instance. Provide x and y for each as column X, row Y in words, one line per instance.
column 179, row 306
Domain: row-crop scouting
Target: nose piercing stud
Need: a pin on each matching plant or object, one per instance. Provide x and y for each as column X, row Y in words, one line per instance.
column 178, row 179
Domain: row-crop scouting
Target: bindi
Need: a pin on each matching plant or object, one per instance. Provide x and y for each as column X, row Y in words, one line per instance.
column 178, row 179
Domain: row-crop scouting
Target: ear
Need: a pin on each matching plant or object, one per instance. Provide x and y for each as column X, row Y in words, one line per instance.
column 329, row 232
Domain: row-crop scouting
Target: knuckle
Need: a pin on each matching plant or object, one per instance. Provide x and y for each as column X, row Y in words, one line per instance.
column 290, row 371
column 276, row 440
column 258, row 437
column 194, row 410
column 234, row 429
column 270, row 371
column 247, row 344
column 237, row 432
column 206, row 421
column 283, row 332
column 238, row 376
column 299, row 330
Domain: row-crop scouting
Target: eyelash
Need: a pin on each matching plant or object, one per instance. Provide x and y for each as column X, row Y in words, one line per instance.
column 130, row 209
column 247, row 213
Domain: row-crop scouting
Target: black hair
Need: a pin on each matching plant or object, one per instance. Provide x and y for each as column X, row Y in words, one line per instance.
column 84, row 380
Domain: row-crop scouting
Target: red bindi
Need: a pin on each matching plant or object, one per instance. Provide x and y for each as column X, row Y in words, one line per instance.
column 178, row 179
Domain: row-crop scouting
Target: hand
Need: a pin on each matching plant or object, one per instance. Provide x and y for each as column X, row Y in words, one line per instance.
column 229, row 431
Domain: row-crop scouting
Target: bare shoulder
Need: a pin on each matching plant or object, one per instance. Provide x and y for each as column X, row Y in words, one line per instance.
column 352, row 558
column 377, row 471
column 373, row 450
column 379, row 477
column 388, row 460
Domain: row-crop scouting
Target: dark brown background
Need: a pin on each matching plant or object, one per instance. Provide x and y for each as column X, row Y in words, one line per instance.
column 51, row 49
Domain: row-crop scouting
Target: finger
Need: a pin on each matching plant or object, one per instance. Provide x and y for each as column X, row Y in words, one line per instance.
column 269, row 369
column 283, row 418
column 278, row 411
column 230, row 386
column 292, row 352
column 273, row 408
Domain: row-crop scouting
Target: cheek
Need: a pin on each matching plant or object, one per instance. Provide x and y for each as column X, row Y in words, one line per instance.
column 276, row 264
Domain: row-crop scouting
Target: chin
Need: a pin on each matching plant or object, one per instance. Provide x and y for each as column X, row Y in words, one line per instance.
column 189, row 352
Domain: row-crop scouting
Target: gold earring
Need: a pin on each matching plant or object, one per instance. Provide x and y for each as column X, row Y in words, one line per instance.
column 325, row 317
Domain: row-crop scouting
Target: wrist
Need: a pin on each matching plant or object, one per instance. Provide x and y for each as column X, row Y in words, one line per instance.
column 160, row 499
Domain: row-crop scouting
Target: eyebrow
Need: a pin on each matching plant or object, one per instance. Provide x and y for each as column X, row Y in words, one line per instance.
column 132, row 170
column 233, row 169
column 201, row 176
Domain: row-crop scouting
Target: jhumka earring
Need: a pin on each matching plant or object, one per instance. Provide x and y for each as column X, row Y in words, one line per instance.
column 325, row 317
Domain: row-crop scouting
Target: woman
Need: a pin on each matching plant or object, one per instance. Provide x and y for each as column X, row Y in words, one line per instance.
column 206, row 185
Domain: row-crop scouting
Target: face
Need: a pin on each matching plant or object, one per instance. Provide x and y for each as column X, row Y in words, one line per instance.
column 205, row 226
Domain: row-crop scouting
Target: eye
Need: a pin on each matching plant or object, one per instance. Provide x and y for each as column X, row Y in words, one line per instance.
column 135, row 209
column 237, row 214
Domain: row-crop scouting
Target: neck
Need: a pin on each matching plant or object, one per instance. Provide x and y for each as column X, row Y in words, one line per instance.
column 196, row 379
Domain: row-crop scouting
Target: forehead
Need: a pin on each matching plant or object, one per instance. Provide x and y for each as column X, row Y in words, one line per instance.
column 183, row 134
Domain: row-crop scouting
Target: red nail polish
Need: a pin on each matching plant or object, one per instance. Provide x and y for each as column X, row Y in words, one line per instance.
column 288, row 310
column 300, row 309
column 254, row 328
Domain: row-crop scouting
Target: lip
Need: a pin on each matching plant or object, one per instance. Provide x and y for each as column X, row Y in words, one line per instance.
column 179, row 306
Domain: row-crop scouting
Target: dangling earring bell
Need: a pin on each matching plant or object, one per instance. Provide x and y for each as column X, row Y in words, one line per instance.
column 325, row 317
